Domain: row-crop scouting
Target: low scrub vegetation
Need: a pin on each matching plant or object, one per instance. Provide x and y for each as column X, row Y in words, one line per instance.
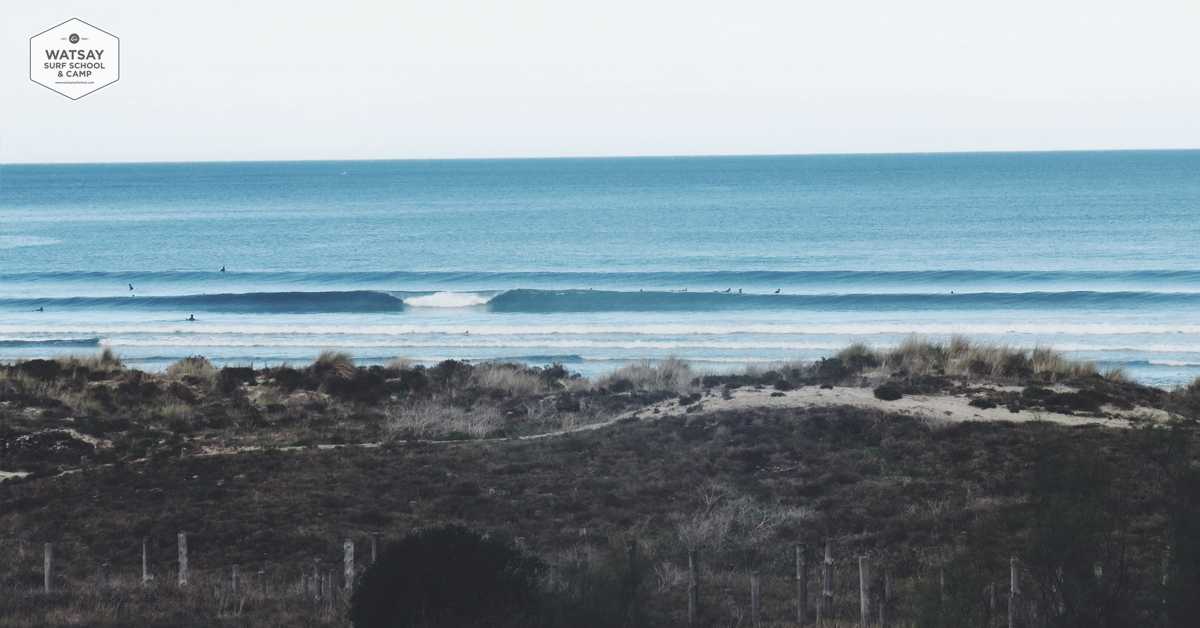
column 63, row 413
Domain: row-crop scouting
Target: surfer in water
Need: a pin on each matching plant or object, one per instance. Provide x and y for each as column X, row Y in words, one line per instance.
column 131, row 286
column 467, row 333
column 222, row 269
column 777, row 291
column 40, row 309
column 191, row 317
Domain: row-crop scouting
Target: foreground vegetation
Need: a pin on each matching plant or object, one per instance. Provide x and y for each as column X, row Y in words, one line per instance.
column 1088, row 511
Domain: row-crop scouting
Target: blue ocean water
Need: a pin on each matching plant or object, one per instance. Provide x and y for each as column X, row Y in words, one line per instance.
column 594, row 262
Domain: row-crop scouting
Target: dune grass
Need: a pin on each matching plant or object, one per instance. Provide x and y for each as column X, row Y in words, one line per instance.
column 330, row 362
column 670, row 374
column 962, row 357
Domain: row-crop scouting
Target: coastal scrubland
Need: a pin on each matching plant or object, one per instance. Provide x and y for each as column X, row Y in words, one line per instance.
column 272, row 468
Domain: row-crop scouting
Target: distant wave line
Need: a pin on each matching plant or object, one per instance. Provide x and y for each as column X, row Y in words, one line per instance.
column 580, row 301
column 864, row 329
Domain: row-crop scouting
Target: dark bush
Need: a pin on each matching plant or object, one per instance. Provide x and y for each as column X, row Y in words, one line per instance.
column 783, row 384
column 450, row 372
column 621, row 385
column 888, row 392
column 687, row 400
column 982, row 403
column 230, row 377
column 555, row 372
column 366, row 386
column 40, row 369
column 1072, row 401
column 832, row 370
column 448, row 576
column 1036, row 392
column 288, row 379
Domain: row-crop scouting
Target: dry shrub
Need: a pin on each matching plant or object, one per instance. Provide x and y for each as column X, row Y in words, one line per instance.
column 331, row 362
column 106, row 359
column 727, row 513
column 962, row 357
column 859, row 356
column 668, row 374
column 916, row 356
column 401, row 363
column 176, row 410
column 196, row 367
column 1116, row 373
column 428, row 419
column 514, row 379
column 754, row 369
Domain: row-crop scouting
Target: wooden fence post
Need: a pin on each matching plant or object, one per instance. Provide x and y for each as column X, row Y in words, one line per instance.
column 104, row 575
column 1014, row 592
column 147, row 565
column 237, row 578
column 331, row 586
column 886, row 602
column 304, row 587
column 827, row 583
column 374, row 547
column 693, row 586
column 755, row 607
column 48, row 567
column 183, row 564
column 348, row 566
column 801, row 584
column 262, row 584
column 942, row 589
column 864, row 590
column 317, row 579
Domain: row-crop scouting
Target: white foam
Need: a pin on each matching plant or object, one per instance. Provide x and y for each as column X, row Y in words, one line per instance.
column 1174, row 363
column 448, row 299
column 15, row 241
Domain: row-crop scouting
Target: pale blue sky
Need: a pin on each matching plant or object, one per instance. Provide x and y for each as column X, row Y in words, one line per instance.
column 225, row 80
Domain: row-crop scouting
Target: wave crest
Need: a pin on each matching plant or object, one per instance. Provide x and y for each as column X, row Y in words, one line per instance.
column 448, row 299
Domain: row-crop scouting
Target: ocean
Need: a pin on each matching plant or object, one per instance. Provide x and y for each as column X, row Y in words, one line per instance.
column 596, row 262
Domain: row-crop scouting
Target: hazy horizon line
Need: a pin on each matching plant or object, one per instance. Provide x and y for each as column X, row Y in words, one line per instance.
column 584, row 157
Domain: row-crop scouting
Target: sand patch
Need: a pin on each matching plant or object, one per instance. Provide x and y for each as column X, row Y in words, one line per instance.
column 946, row 407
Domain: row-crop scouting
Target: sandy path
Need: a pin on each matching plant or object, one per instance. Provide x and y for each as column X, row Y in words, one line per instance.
column 947, row 408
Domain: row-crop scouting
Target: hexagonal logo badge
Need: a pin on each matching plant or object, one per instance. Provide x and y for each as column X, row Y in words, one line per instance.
column 74, row 59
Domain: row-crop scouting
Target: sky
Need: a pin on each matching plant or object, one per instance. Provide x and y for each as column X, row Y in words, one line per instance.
column 262, row 80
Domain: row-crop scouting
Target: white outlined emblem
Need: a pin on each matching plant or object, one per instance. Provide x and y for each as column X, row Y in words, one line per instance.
column 74, row 59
